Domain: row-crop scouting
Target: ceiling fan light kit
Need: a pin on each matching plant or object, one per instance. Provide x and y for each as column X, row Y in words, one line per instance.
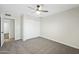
column 38, row 12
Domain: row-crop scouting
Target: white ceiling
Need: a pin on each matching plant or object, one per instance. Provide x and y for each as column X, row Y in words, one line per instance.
column 23, row 8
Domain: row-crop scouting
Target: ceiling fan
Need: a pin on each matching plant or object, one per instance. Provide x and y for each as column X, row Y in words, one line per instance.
column 38, row 9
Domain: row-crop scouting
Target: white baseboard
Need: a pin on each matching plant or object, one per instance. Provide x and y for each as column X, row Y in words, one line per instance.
column 30, row 38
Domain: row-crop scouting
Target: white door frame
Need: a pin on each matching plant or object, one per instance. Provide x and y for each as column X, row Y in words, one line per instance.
column 12, row 35
column 2, row 30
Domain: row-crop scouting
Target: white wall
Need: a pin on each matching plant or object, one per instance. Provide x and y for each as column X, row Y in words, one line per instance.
column 31, row 28
column 12, row 28
column 6, row 26
column 62, row 27
column 17, row 27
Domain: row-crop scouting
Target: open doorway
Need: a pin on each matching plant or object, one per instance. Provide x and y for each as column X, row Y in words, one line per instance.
column 9, row 29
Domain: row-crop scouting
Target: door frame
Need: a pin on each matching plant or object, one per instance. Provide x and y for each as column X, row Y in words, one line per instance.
column 2, row 17
column 11, row 20
column 2, row 30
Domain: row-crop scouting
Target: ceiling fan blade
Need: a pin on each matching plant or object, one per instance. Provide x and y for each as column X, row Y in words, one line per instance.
column 31, row 8
column 43, row 10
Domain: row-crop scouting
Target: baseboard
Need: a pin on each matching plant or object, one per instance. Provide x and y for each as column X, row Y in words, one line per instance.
column 30, row 38
column 61, row 42
column 19, row 40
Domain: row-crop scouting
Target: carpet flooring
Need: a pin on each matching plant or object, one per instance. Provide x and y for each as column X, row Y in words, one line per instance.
column 37, row 45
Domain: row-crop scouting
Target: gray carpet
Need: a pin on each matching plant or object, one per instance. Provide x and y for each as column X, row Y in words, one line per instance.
column 36, row 46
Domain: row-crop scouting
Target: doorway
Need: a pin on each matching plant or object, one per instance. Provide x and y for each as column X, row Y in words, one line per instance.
column 9, row 30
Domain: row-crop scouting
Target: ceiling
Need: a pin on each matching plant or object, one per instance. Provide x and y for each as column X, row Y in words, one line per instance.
column 23, row 8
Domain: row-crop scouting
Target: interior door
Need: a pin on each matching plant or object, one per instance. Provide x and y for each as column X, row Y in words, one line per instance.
column 1, row 31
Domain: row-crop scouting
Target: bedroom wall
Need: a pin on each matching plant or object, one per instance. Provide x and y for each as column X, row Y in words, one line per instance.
column 12, row 28
column 6, row 26
column 17, row 27
column 31, row 27
column 62, row 27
